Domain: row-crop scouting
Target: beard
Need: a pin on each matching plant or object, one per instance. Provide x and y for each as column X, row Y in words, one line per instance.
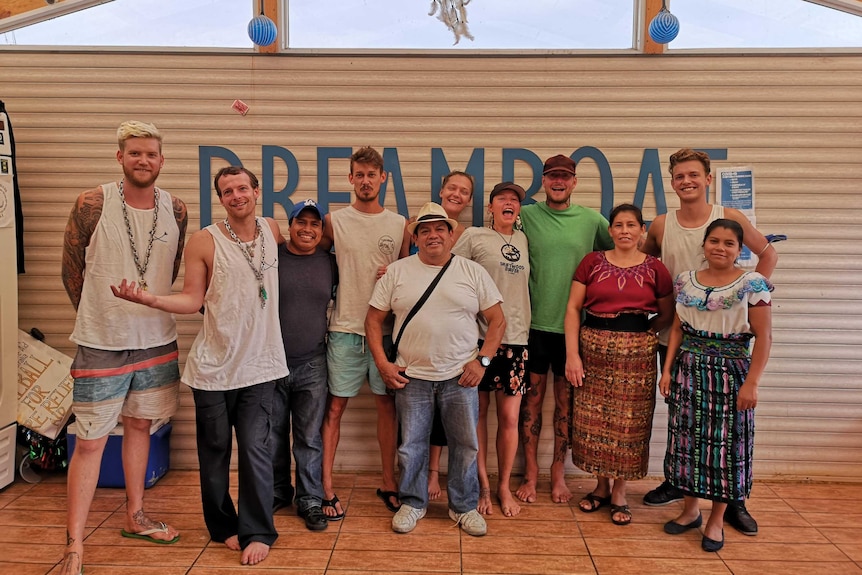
column 141, row 179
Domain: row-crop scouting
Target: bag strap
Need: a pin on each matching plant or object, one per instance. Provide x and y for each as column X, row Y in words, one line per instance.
column 415, row 309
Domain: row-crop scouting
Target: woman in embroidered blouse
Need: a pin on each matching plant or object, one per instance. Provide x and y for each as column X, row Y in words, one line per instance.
column 711, row 386
column 611, row 360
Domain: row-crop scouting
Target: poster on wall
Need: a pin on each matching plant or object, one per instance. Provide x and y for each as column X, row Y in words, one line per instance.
column 44, row 386
column 736, row 190
column 7, row 189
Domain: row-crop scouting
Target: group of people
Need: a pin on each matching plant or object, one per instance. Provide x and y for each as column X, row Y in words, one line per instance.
column 552, row 286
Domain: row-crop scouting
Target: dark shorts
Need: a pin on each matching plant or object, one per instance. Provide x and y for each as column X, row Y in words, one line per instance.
column 507, row 371
column 547, row 350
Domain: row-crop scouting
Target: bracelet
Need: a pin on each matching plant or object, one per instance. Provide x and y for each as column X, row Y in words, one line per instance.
column 434, row 470
column 768, row 245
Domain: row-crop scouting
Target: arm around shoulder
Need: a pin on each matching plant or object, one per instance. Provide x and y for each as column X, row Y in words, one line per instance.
column 767, row 257
column 652, row 245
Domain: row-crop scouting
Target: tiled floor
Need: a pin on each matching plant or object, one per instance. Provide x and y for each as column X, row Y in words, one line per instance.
column 804, row 528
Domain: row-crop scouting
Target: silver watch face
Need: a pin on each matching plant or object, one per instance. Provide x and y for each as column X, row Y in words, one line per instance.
column 484, row 360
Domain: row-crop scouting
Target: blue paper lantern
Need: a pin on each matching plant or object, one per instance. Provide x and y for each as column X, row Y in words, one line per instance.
column 664, row 27
column 262, row 30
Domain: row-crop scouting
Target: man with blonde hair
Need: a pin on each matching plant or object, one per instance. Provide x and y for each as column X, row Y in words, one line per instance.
column 126, row 363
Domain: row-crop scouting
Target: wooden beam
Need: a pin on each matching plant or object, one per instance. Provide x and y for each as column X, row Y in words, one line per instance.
column 15, row 7
column 270, row 9
column 653, row 7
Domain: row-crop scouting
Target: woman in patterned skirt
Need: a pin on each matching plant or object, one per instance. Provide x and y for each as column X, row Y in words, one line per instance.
column 611, row 360
column 712, row 383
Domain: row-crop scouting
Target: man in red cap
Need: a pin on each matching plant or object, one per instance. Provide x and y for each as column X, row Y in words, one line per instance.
column 560, row 235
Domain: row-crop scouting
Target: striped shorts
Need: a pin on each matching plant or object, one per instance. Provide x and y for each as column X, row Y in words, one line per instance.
column 139, row 383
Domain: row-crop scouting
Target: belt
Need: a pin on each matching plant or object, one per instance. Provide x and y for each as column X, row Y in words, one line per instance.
column 636, row 322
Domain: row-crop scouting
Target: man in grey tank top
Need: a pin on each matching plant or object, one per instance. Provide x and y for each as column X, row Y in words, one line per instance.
column 677, row 238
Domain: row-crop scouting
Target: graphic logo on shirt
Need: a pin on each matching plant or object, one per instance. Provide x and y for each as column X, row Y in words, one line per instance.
column 386, row 245
column 511, row 253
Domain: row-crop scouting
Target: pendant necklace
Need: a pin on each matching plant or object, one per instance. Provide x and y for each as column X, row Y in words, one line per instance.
column 510, row 252
column 142, row 269
column 248, row 252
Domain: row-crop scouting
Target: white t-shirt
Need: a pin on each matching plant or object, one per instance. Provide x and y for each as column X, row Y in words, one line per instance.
column 441, row 338
column 508, row 263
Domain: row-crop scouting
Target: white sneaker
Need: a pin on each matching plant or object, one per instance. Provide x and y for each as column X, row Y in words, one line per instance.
column 405, row 518
column 471, row 522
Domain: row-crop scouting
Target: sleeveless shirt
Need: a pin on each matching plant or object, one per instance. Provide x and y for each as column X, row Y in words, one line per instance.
column 239, row 344
column 363, row 243
column 110, row 323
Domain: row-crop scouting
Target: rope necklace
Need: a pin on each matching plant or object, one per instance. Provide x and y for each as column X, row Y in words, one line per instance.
column 142, row 269
column 248, row 252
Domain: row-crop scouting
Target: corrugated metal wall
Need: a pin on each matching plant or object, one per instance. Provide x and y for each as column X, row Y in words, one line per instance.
column 797, row 119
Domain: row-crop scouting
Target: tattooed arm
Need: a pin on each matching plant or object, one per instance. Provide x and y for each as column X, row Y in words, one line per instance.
column 181, row 214
column 82, row 221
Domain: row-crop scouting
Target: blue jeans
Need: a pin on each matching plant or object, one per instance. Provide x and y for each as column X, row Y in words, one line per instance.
column 299, row 403
column 459, row 410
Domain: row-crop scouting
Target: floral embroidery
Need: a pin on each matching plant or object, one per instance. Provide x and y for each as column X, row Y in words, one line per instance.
column 691, row 294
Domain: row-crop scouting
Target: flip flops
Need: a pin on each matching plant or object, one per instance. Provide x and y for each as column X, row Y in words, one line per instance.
column 594, row 501
column 145, row 535
column 387, row 496
column 332, row 503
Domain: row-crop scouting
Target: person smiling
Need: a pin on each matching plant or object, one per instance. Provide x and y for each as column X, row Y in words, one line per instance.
column 711, row 384
column 610, row 360
column 502, row 251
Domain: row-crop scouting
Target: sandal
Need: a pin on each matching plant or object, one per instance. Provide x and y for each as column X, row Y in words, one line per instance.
column 387, row 497
column 332, row 503
column 624, row 511
column 594, row 501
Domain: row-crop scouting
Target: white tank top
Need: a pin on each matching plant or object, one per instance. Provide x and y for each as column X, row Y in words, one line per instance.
column 363, row 243
column 682, row 248
column 107, row 322
column 240, row 343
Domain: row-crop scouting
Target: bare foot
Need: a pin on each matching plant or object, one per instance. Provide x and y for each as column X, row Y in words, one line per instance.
column 433, row 485
column 485, row 507
column 138, row 523
column 559, row 490
column 508, row 504
column 72, row 564
column 232, row 543
column 254, row 553
column 527, row 491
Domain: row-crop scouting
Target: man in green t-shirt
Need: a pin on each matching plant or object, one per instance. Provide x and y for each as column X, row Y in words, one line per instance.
column 560, row 235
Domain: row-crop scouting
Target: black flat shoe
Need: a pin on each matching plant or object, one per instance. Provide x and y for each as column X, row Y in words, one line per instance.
column 674, row 528
column 711, row 545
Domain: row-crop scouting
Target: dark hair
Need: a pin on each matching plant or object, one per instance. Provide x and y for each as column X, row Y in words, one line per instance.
column 234, row 171
column 367, row 155
column 726, row 224
column 687, row 155
column 629, row 208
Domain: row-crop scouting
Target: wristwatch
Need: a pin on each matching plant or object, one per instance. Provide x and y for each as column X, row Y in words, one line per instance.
column 484, row 360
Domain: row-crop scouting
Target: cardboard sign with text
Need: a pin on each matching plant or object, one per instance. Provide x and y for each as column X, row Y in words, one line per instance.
column 44, row 386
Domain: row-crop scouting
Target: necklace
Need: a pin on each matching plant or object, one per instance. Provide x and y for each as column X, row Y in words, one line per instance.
column 248, row 252
column 510, row 252
column 142, row 269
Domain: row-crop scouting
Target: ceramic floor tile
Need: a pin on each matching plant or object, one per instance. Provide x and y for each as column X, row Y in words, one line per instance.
column 91, row 569
column 852, row 550
column 515, row 528
column 393, row 562
column 221, row 556
column 25, row 552
column 643, row 566
column 26, row 568
column 33, row 503
column 111, row 536
column 302, row 538
column 842, row 534
column 832, row 515
column 740, row 567
column 389, row 571
column 775, row 534
column 686, row 545
column 528, row 545
column 834, row 491
column 12, row 534
column 46, row 518
column 767, row 519
column 809, row 505
column 129, row 554
column 259, row 569
column 396, row 542
column 792, row 552
column 475, row 563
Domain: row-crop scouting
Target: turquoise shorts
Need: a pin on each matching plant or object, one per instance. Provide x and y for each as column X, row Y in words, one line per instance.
column 139, row 383
column 349, row 362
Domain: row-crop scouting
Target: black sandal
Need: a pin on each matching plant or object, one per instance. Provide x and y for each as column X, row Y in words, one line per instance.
column 595, row 502
column 332, row 503
column 624, row 510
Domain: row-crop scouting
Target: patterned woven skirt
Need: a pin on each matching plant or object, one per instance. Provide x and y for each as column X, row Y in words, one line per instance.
column 612, row 412
column 710, row 444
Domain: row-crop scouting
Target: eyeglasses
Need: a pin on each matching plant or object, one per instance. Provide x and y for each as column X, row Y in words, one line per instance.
column 560, row 176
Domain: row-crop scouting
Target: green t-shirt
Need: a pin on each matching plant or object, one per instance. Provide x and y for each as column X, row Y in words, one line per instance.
column 559, row 240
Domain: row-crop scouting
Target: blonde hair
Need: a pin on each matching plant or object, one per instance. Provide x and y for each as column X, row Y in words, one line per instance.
column 136, row 129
